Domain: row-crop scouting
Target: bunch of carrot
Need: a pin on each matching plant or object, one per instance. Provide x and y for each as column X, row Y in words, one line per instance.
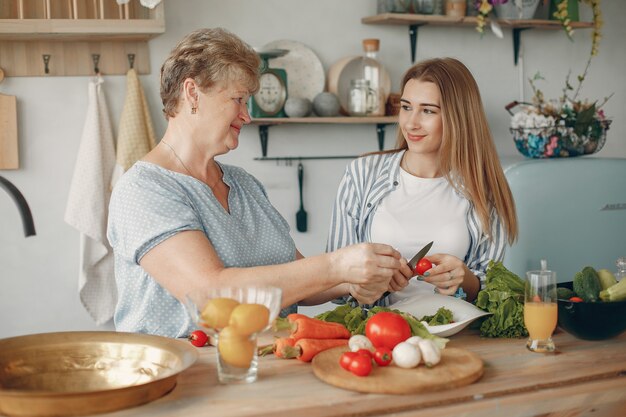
column 308, row 337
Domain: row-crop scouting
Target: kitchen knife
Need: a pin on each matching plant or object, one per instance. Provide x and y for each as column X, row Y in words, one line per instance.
column 419, row 255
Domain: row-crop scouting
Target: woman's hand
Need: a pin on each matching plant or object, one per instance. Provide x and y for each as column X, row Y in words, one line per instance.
column 367, row 294
column 449, row 273
column 365, row 264
column 401, row 277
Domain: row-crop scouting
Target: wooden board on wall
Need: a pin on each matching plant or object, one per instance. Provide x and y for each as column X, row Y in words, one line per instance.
column 8, row 132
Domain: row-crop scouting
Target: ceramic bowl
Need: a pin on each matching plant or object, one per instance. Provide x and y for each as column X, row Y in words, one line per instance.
column 592, row 321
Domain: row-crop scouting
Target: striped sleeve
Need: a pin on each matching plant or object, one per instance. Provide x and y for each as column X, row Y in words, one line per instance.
column 344, row 222
column 488, row 247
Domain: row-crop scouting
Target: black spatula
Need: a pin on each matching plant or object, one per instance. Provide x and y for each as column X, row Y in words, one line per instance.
column 301, row 214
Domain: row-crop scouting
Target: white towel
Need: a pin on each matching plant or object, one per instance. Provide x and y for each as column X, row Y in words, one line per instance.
column 87, row 207
column 135, row 136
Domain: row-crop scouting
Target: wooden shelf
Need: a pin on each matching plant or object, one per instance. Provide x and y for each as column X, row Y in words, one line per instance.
column 265, row 122
column 414, row 21
column 76, row 37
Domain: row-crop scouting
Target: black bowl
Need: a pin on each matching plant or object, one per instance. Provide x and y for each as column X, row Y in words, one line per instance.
column 592, row 321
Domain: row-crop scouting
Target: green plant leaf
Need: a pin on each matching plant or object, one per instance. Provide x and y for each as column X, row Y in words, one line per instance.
column 584, row 119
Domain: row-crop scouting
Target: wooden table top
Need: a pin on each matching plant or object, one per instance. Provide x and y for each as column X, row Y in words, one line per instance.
column 580, row 377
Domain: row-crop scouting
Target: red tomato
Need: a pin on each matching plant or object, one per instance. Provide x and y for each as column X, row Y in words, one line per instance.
column 422, row 266
column 361, row 365
column 346, row 359
column 382, row 356
column 576, row 299
column 365, row 352
column 387, row 329
column 198, row 338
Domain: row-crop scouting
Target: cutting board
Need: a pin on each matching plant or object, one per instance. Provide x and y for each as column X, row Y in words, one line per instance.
column 458, row 367
column 8, row 132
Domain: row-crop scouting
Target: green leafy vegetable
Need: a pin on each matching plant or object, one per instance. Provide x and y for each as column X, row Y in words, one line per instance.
column 442, row 316
column 356, row 318
column 503, row 296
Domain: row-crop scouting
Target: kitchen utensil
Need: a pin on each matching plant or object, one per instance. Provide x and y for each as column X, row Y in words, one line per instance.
column 301, row 215
column 78, row 373
column 269, row 100
column 8, row 132
column 458, row 367
column 419, row 255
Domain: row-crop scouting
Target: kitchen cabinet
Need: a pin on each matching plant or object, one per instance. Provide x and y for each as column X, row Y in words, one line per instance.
column 76, row 37
column 264, row 124
column 415, row 21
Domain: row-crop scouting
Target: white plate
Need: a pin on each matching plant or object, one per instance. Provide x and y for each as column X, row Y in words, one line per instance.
column 305, row 73
column 463, row 313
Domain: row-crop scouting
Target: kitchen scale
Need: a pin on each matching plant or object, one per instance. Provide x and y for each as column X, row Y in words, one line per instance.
column 269, row 101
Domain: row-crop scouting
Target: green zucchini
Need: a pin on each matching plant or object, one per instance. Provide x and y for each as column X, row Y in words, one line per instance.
column 616, row 292
column 563, row 293
column 607, row 279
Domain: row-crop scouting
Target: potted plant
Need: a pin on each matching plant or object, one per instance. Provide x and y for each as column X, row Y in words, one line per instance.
column 567, row 126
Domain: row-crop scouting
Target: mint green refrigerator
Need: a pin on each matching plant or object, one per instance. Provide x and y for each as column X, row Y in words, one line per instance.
column 571, row 212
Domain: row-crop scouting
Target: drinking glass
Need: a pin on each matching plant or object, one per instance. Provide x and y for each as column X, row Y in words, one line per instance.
column 214, row 311
column 540, row 310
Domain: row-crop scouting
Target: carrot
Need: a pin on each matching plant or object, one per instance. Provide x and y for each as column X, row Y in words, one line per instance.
column 286, row 323
column 309, row 328
column 281, row 344
column 306, row 349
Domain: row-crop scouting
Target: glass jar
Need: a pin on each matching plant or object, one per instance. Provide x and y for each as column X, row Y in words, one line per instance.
column 456, row 8
column 361, row 98
column 621, row 269
column 374, row 72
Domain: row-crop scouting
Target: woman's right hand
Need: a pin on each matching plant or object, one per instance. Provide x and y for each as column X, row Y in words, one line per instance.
column 365, row 264
column 401, row 277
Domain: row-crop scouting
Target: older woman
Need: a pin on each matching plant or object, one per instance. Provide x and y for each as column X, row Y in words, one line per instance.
column 180, row 221
column 443, row 182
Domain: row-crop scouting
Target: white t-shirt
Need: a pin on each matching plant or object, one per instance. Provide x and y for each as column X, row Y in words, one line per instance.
column 418, row 211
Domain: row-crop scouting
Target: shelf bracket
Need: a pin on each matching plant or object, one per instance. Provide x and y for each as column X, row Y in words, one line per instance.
column 380, row 131
column 516, row 43
column 264, row 136
column 413, row 39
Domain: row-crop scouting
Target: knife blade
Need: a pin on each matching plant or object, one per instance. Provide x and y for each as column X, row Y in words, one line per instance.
column 419, row 255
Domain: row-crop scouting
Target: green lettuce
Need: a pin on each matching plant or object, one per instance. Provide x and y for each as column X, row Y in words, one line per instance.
column 442, row 316
column 503, row 296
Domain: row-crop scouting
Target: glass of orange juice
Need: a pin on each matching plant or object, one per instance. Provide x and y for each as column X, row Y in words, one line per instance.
column 540, row 310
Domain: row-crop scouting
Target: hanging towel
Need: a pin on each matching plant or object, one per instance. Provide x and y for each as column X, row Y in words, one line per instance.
column 136, row 135
column 87, row 207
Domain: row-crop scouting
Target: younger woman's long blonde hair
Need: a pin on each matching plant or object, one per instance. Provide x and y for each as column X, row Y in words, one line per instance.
column 467, row 156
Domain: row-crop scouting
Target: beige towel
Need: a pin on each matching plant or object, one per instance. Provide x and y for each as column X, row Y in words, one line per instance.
column 87, row 207
column 135, row 137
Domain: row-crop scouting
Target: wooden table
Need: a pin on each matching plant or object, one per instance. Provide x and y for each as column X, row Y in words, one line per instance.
column 582, row 376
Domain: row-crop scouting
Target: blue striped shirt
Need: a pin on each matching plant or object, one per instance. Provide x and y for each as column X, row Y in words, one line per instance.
column 365, row 184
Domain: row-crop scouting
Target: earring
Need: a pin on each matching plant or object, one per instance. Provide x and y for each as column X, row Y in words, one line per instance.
column 194, row 110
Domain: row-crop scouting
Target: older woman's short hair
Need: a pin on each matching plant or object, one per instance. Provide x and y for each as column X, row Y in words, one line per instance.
column 208, row 56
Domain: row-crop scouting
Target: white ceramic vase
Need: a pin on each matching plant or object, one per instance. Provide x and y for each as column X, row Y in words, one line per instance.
column 517, row 9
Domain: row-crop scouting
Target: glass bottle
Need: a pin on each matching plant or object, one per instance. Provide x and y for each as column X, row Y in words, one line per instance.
column 374, row 72
column 621, row 269
column 361, row 98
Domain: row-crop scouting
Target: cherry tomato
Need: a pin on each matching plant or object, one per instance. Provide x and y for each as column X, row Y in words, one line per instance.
column 361, row 365
column 346, row 359
column 387, row 329
column 198, row 338
column 422, row 266
column 382, row 356
column 365, row 352
column 576, row 299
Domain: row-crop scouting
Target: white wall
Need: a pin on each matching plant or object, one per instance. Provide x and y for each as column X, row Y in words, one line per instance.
column 38, row 275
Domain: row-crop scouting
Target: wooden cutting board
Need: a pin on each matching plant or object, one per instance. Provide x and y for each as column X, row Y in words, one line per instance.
column 8, row 132
column 458, row 367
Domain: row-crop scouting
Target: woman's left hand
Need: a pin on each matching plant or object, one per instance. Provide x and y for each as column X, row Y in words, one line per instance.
column 448, row 274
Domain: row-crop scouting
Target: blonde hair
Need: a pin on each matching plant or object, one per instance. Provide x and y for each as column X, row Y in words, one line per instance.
column 208, row 56
column 467, row 156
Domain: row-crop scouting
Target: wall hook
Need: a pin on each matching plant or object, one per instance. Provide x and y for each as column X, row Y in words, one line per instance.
column 46, row 61
column 96, row 60
column 131, row 60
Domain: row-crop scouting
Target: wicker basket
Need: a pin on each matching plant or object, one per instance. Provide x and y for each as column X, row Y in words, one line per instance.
column 560, row 141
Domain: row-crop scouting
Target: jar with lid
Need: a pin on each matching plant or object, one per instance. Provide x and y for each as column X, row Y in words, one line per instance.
column 377, row 75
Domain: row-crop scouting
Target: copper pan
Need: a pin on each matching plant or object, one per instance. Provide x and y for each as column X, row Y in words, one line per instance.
column 78, row 373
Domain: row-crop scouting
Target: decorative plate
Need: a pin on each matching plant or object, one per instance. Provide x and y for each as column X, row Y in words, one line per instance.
column 305, row 73
column 422, row 305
